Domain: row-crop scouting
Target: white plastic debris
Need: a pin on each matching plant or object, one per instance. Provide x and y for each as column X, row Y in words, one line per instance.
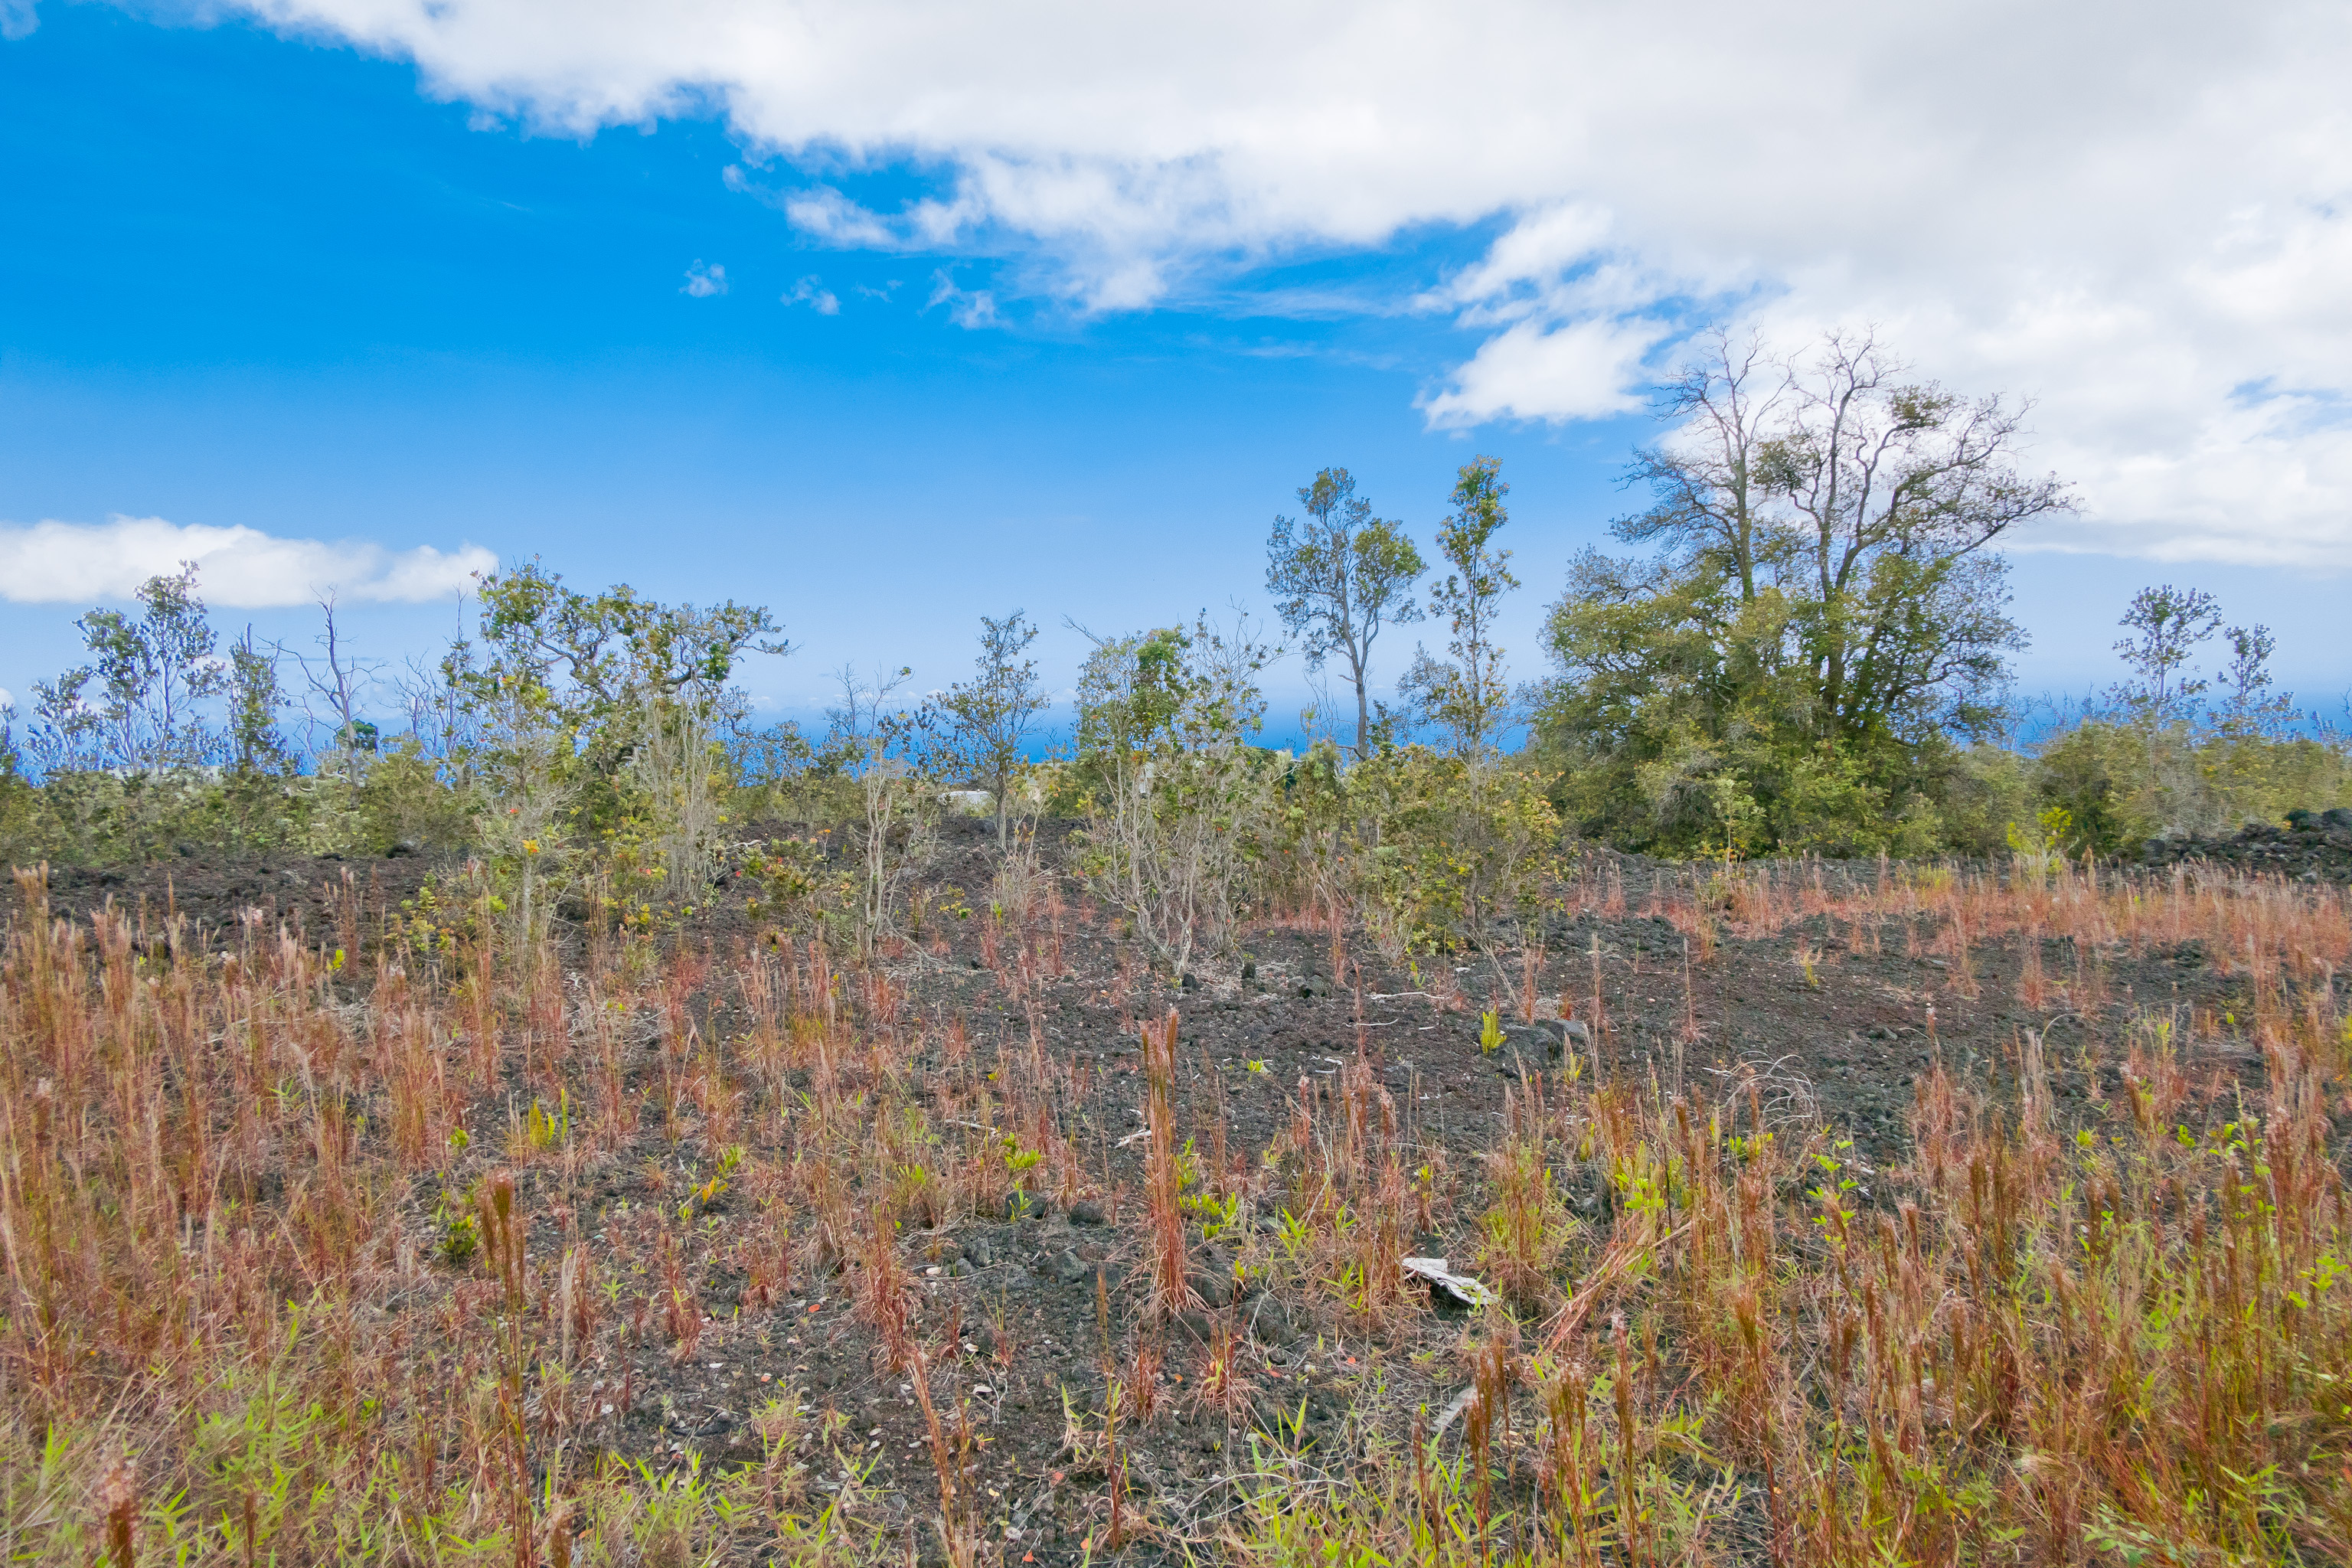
column 1461, row 1287
column 1461, row 1402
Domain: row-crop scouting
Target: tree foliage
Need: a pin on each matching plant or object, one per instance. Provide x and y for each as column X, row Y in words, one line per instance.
column 2167, row 625
column 1823, row 612
column 1173, row 788
column 1449, row 847
column 1339, row 577
column 992, row 711
column 1466, row 695
column 152, row 670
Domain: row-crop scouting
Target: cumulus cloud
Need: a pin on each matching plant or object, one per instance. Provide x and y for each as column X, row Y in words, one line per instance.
column 2140, row 216
column 1573, row 369
column 238, row 567
column 810, row 291
column 703, row 282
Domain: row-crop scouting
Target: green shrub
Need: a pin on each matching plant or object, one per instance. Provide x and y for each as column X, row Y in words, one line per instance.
column 2124, row 784
column 1449, row 845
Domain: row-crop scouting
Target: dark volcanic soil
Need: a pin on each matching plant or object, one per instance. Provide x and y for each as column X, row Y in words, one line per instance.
column 1835, row 1022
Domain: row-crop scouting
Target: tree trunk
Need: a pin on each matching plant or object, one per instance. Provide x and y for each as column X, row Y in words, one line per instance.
column 1363, row 705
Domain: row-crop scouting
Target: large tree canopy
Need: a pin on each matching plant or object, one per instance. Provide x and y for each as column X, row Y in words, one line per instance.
column 1824, row 606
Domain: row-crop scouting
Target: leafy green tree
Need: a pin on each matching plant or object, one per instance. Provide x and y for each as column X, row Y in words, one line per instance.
column 607, row 660
column 1673, row 684
column 1823, row 612
column 153, row 670
column 992, row 711
column 1467, row 695
column 258, row 807
column 1892, row 489
column 608, row 707
column 1172, row 784
column 254, row 701
column 2167, row 625
column 1131, row 693
column 1338, row 578
column 2249, row 706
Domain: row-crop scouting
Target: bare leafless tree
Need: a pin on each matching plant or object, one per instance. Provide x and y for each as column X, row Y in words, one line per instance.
column 337, row 682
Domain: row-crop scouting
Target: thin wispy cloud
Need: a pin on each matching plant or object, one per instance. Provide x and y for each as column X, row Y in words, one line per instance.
column 967, row 307
column 810, row 291
column 2131, row 223
column 703, row 282
column 238, row 567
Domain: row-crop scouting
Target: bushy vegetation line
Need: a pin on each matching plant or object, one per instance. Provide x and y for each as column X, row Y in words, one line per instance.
column 1811, row 658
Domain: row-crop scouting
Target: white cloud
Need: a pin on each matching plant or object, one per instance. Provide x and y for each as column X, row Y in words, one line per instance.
column 809, row 292
column 1576, row 370
column 703, row 282
column 238, row 567
column 828, row 215
column 2142, row 215
column 967, row 307
column 18, row 18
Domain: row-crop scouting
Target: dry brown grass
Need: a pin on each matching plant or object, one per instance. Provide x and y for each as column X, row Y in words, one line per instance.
column 2124, row 1339
column 302, row 1269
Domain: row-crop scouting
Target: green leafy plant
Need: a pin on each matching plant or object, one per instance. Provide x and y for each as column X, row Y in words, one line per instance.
column 545, row 1129
column 458, row 1234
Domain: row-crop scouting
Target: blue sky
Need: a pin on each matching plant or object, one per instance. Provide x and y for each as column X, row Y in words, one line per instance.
column 273, row 281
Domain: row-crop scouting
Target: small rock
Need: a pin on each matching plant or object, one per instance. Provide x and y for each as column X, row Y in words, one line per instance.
column 977, row 1251
column 1215, row 1289
column 1066, row 1268
column 1085, row 1211
column 1269, row 1323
